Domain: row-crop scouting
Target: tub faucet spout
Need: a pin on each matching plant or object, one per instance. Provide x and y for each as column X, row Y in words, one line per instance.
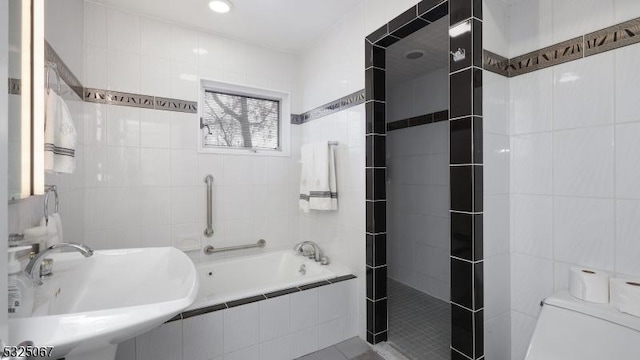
column 33, row 267
column 316, row 254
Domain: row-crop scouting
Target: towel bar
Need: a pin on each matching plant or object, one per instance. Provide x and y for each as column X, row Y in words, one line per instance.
column 208, row 232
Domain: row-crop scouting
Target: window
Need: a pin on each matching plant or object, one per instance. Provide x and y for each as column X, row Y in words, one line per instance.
column 239, row 119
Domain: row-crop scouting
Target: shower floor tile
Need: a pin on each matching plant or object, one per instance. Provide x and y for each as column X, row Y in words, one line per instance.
column 419, row 324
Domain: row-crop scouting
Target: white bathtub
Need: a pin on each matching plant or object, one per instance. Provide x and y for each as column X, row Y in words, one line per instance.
column 237, row 278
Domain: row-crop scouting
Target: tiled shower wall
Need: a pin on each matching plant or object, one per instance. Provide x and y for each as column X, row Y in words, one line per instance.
column 144, row 178
column 418, row 243
column 423, row 95
column 573, row 151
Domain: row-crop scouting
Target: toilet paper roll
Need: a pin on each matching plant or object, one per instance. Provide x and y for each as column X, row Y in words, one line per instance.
column 625, row 295
column 589, row 285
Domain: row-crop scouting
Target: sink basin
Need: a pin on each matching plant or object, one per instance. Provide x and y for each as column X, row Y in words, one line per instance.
column 89, row 305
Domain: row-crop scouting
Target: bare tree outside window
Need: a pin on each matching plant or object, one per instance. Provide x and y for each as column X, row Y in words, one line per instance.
column 236, row 121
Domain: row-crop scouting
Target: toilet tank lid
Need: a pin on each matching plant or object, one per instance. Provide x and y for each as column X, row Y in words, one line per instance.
column 606, row 312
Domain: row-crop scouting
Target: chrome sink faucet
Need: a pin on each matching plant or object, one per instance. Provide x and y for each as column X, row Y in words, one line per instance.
column 315, row 254
column 33, row 267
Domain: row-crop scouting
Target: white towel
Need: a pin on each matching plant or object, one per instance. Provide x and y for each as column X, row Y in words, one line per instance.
column 54, row 229
column 318, row 185
column 60, row 136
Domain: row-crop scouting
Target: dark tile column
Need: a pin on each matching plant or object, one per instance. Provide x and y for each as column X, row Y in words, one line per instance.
column 376, row 194
column 466, row 170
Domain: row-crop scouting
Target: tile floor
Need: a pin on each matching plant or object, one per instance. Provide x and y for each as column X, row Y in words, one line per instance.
column 419, row 324
column 352, row 349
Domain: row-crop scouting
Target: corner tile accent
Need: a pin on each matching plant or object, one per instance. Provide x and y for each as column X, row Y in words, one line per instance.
column 343, row 103
column 610, row 38
column 15, row 86
column 65, row 73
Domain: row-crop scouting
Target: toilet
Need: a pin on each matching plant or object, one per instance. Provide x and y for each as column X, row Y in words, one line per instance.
column 569, row 328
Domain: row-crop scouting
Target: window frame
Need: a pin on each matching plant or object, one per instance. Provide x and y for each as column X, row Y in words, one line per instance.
column 284, row 130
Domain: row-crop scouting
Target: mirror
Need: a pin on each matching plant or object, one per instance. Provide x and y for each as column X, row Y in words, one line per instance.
column 19, row 147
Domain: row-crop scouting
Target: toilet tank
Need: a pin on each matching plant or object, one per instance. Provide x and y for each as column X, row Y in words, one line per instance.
column 569, row 328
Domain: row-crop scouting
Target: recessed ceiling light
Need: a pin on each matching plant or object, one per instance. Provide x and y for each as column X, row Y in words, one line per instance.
column 220, row 6
column 414, row 54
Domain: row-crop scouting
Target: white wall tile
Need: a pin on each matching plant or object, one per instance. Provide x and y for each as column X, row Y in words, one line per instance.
column 95, row 124
column 530, row 26
column 583, row 162
column 123, row 31
column 531, row 101
column 627, row 173
column 202, row 336
column 532, row 164
column 583, row 232
column 123, row 166
column 161, row 343
column 586, row 15
column 304, row 342
column 626, row 10
column 241, row 327
column 627, row 100
column 123, row 71
column 187, row 204
column 497, row 337
column 123, row 126
column 495, row 29
column 274, row 318
column 276, row 349
column 495, row 102
column 155, row 206
column 531, row 225
column 531, row 282
column 155, row 38
column 495, row 226
column 627, row 234
column 331, row 333
column 304, row 309
column 184, row 131
column 331, row 301
column 155, row 129
column 155, row 76
column 184, row 168
column 95, row 28
column 583, row 91
column 497, row 287
column 155, row 167
column 496, row 164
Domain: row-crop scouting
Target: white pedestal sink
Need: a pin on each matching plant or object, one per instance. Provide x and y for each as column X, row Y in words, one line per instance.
column 89, row 305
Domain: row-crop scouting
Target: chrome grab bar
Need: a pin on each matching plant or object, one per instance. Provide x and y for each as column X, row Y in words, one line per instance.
column 211, row 250
column 208, row 232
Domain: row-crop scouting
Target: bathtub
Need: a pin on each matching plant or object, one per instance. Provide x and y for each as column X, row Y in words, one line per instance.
column 226, row 280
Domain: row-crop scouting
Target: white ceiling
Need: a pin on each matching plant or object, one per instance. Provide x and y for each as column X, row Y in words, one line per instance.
column 290, row 25
column 433, row 39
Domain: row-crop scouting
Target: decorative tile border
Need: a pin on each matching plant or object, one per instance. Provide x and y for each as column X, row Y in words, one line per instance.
column 252, row 299
column 418, row 120
column 597, row 42
column 335, row 106
column 15, row 86
column 101, row 96
column 65, row 73
column 617, row 36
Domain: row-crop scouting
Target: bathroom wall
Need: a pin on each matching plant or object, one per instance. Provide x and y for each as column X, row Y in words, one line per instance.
column 496, row 158
column 144, row 180
column 418, row 245
column 418, row 96
column 573, row 156
column 64, row 30
column 4, row 64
